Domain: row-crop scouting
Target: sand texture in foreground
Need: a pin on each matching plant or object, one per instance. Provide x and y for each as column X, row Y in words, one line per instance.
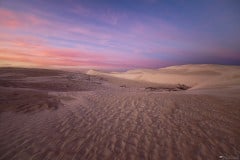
column 47, row 114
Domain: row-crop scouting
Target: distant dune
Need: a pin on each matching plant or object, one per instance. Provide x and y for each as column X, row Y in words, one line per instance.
column 196, row 76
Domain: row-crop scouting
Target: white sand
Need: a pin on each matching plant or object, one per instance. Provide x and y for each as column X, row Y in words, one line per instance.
column 196, row 76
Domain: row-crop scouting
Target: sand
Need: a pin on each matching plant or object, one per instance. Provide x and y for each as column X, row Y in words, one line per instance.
column 49, row 114
column 196, row 76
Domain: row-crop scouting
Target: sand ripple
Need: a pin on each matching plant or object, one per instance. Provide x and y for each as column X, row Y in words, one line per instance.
column 124, row 125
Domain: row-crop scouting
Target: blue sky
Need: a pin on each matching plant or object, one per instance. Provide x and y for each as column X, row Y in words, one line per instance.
column 108, row 34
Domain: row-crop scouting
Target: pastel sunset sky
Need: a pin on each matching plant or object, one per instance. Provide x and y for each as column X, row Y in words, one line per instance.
column 118, row 34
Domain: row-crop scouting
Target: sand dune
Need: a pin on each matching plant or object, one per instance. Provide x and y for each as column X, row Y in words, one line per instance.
column 196, row 76
column 47, row 114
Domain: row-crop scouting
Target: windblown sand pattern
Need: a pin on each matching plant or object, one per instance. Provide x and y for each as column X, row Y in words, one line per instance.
column 101, row 120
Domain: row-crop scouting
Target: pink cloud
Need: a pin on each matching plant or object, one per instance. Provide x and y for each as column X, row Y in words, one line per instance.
column 14, row 19
column 56, row 57
column 42, row 61
column 9, row 19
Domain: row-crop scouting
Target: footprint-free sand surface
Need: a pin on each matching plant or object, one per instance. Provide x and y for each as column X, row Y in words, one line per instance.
column 142, row 115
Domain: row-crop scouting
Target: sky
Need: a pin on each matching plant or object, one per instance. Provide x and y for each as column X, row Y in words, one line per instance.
column 118, row 34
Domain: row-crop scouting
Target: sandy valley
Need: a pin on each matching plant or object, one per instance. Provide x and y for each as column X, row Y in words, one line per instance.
column 174, row 113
